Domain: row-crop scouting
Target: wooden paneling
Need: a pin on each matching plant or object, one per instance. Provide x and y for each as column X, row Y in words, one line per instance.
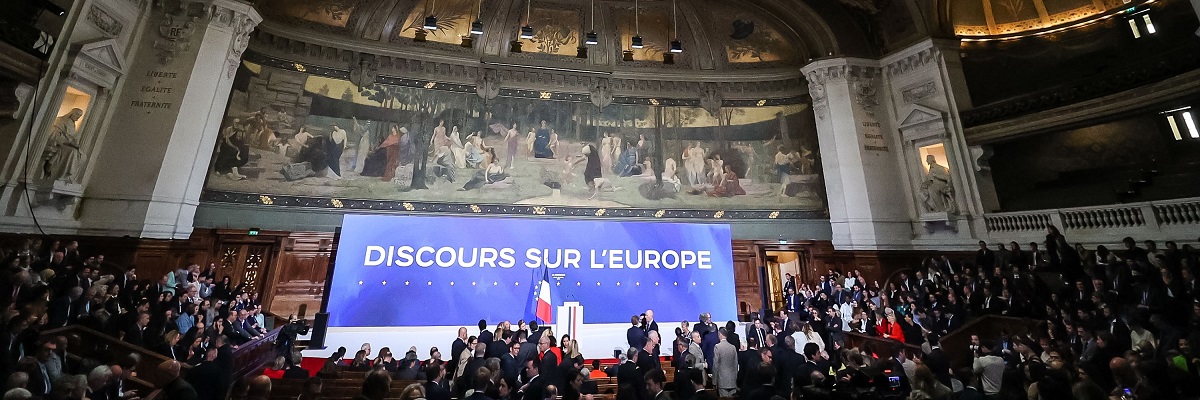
column 299, row 274
column 747, row 285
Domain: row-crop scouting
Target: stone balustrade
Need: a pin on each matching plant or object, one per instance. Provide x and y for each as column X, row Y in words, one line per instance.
column 1165, row 220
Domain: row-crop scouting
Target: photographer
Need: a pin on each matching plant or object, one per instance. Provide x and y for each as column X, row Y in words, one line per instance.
column 287, row 335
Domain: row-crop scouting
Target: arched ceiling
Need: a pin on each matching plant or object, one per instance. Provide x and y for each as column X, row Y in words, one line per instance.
column 716, row 34
column 979, row 18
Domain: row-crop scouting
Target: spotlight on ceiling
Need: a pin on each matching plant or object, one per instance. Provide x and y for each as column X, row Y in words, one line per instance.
column 591, row 39
column 526, row 32
column 477, row 28
column 676, row 46
column 637, row 42
column 431, row 23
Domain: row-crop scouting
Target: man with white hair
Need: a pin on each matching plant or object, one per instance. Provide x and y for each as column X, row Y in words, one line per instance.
column 17, row 394
column 97, row 382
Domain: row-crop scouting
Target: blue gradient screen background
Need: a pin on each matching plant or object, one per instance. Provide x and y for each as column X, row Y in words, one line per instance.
column 381, row 296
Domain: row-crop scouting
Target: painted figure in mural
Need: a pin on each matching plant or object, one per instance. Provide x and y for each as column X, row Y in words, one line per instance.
column 260, row 133
column 669, row 170
column 510, row 140
column 748, row 154
column 553, row 145
column 592, row 172
column 492, row 172
column 457, row 150
column 335, row 146
column 474, row 154
column 729, row 184
column 616, row 148
column 936, row 192
column 693, row 163
column 529, row 139
column 439, row 138
column 541, row 142
column 408, row 148
column 783, row 167
column 628, row 164
column 807, row 161
column 392, row 147
column 364, row 145
column 443, row 163
column 232, row 152
column 62, row 157
column 299, row 141
column 606, row 150
column 716, row 168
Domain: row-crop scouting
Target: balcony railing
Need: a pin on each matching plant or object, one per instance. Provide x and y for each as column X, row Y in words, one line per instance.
column 1148, row 220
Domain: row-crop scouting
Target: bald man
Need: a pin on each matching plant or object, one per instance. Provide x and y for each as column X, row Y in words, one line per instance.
column 456, row 350
column 176, row 388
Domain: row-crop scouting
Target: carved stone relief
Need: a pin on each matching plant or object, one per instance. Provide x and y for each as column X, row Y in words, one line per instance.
column 711, row 98
column 918, row 92
column 487, row 84
column 105, row 22
column 601, row 93
column 363, row 70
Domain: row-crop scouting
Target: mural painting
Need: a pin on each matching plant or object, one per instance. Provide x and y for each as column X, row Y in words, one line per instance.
column 292, row 133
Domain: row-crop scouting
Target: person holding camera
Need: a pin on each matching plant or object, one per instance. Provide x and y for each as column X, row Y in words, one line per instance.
column 286, row 342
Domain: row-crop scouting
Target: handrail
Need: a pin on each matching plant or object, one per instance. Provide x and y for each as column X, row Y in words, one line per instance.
column 252, row 356
column 956, row 343
column 100, row 346
column 884, row 348
column 1149, row 214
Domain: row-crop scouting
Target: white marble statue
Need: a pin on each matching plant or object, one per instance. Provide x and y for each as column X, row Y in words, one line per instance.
column 937, row 195
column 63, row 158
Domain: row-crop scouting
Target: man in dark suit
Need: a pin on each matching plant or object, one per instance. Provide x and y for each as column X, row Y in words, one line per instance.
column 766, row 375
column 635, row 335
column 473, row 366
column 535, row 388
column 646, row 358
column 792, row 301
column 629, row 373
column 938, row 362
column 655, row 380
column 509, row 366
column 135, row 335
column 549, row 363
column 480, row 381
column 756, row 331
column 63, row 309
column 788, row 283
column 456, row 350
column 697, row 380
column 499, row 345
column 485, row 336
column 435, row 373
column 176, row 387
column 206, row 377
column 984, row 257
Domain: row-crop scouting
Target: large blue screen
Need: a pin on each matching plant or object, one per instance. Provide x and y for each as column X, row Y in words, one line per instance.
column 437, row 271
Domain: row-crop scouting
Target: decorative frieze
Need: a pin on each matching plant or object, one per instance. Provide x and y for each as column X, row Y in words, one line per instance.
column 456, row 68
column 104, row 21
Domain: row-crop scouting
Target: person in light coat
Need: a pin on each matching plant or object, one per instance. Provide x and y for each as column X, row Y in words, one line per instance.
column 725, row 366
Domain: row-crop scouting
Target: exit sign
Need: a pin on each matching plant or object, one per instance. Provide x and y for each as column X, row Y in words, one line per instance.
column 253, row 232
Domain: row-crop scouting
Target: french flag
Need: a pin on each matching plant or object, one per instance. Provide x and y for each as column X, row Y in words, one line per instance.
column 544, row 305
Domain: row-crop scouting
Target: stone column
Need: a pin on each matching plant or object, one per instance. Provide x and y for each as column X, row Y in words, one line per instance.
column 928, row 92
column 868, row 204
column 148, row 173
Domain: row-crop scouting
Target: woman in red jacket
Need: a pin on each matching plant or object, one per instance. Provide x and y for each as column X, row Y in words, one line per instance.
column 891, row 329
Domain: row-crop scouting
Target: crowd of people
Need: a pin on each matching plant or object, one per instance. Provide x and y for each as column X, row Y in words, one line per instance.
column 1111, row 324
column 187, row 315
